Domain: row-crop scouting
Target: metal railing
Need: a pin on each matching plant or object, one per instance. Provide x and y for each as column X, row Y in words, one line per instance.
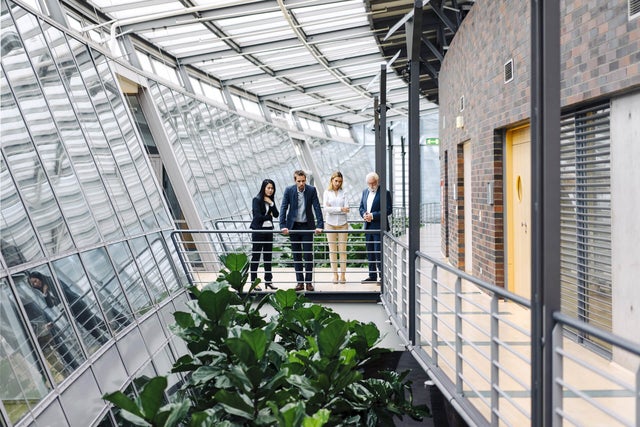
column 201, row 252
column 430, row 213
column 474, row 341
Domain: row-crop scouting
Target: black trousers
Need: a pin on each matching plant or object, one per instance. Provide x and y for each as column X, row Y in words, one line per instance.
column 262, row 244
column 302, row 247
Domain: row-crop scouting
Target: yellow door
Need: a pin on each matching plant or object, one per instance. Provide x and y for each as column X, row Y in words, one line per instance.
column 468, row 210
column 519, row 211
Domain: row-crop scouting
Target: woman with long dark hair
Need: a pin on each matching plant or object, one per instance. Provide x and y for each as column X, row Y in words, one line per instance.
column 263, row 210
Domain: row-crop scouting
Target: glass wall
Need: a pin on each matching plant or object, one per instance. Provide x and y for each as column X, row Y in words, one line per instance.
column 87, row 268
column 83, row 225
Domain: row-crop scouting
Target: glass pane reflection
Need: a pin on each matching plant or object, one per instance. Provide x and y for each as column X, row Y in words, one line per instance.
column 105, row 283
column 24, row 381
column 130, row 278
column 92, row 125
column 20, row 153
column 82, row 301
column 130, row 154
column 164, row 264
column 49, row 321
column 150, row 273
column 18, row 243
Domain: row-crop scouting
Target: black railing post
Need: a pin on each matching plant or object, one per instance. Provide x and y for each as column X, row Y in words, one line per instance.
column 414, row 35
column 545, row 203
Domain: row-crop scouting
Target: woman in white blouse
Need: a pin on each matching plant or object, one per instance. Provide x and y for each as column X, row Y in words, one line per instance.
column 336, row 207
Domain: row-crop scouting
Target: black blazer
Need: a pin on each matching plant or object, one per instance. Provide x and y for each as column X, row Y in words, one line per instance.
column 261, row 213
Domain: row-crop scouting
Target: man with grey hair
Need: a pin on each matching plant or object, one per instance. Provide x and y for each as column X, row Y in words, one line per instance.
column 370, row 213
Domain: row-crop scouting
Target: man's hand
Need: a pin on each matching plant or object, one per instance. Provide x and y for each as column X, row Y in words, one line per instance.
column 368, row 216
column 318, row 230
column 284, row 231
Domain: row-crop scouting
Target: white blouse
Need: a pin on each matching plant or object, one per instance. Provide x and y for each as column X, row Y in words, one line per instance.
column 332, row 204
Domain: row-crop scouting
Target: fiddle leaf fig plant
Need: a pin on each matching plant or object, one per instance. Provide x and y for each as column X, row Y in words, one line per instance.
column 303, row 366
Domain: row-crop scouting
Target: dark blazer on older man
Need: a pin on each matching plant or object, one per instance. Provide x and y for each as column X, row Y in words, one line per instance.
column 289, row 207
column 375, row 209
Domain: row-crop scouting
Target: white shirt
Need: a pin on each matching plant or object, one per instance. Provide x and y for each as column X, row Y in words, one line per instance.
column 333, row 202
column 268, row 222
column 370, row 197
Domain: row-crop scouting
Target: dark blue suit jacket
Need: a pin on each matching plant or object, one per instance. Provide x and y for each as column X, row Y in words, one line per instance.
column 375, row 209
column 289, row 207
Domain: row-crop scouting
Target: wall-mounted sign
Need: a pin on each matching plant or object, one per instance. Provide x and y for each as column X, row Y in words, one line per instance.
column 432, row 141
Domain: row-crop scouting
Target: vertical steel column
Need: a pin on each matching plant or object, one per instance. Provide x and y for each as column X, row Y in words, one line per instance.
column 403, row 154
column 381, row 158
column 414, row 34
column 545, row 203
column 390, row 159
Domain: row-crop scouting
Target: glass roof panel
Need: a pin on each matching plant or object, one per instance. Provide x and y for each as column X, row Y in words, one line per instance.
column 289, row 58
column 145, row 9
column 242, row 42
column 167, row 34
column 245, row 38
column 260, row 20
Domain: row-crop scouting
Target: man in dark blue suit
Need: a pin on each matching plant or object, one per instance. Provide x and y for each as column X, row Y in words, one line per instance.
column 298, row 205
column 370, row 212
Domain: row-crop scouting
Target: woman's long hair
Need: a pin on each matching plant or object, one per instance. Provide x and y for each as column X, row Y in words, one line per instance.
column 264, row 186
column 334, row 175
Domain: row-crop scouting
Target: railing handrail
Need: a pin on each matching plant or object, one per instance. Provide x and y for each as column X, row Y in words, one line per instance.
column 484, row 285
column 276, row 231
column 606, row 336
column 439, row 310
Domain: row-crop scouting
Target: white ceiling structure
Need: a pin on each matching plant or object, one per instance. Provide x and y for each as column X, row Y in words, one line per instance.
column 319, row 57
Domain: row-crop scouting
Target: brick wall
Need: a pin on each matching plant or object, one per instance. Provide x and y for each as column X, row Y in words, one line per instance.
column 600, row 56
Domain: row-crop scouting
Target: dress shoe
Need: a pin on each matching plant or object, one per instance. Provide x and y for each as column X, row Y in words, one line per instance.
column 369, row 279
column 299, row 287
column 343, row 279
column 310, row 287
column 257, row 289
column 268, row 285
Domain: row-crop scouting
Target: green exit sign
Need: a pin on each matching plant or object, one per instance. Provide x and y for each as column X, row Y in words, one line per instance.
column 432, row 141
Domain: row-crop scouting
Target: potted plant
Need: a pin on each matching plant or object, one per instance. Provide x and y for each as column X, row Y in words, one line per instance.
column 304, row 366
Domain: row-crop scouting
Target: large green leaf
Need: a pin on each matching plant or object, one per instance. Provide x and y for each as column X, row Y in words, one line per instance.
column 291, row 414
column 124, row 402
column 303, row 384
column 236, row 279
column 318, row 419
column 204, row 374
column 238, row 376
column 242, row 350
column 372, row 333
column 152, row 396
column 134, row 419
column 285, row 299
column 257, row 340
column 215, row 304
column 236, row 261
column 176, row 413
column 183, row 319
column 235, row 404
column 332, row 338
column 255, row 376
